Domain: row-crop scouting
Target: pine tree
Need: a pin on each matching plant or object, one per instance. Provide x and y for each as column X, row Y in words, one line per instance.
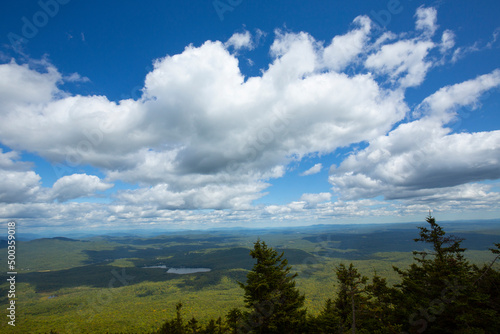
column 275, row 305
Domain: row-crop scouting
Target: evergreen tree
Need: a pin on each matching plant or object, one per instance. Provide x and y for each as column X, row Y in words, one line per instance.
column 380, row 314
column 234, row 319
column 274, row 303
column 350, row 298
column 328, row 320
column 487, row 307
column 211, row 328
column 192, row 326
column 357, row 307
column 220, row 326
column 174, row 326
column 439, row 293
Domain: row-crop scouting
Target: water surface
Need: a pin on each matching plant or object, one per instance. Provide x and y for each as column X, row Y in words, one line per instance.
column 183, row 271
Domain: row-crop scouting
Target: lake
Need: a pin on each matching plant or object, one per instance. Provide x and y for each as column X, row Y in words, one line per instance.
column 183, row 271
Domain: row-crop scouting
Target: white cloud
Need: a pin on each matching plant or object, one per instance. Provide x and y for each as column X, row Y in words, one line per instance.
column 240, row 41
column 77, row 185
column 202, row 136
column 314, row 199
column 212, row 196
column 295, row 57
column 477, row 46
column 443, row 103
column 402, row 170
column 313, row 170
column 344, row 49
column 75, row 77
column 18, row 187
column 10, row 161
column 494, row 38
column 447, row 41
column 21, row 86
column 200, row 124
column 402, row 61
column 421, row 158
column 17, row 183
column 406, row 61
column 426, row 20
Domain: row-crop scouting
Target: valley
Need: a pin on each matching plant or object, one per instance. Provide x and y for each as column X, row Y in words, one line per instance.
column 131, row 283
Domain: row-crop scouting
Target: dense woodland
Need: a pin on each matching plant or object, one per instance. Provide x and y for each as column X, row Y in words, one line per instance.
column 441, row 292
column 112, row 283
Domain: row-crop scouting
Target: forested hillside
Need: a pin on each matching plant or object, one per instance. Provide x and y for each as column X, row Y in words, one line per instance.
column 318, row 279
column 440, row 293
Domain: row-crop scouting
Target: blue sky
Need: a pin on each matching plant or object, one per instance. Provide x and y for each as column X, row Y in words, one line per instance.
column 126, row 115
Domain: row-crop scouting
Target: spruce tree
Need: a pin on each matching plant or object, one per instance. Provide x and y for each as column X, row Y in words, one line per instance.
column 233, row 320
column 350, row 297
column 381, row 316
column 193, row 326
column 441, row 292
column 274, row 303
column 327, row 321
column 174, row 326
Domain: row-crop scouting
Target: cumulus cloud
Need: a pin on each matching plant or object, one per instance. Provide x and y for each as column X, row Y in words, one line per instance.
column 404, row 170
column 313, row 170
column 21, row 86
column 240, row 41
column 403, row 61
column 443, row 103
column 406, row 61
column 314, row 199
column 426, row 20
column 18, row 186
column 10, row 161
column 345, row 48
column 422, row 158
column 204, row 136
column 200, row 123
column 207, row 197
column 77, row 185
column 17, row 182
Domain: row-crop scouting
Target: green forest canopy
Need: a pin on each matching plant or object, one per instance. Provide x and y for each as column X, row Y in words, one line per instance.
column 441, row 292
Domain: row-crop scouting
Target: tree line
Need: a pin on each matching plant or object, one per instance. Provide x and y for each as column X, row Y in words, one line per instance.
column 441, row 292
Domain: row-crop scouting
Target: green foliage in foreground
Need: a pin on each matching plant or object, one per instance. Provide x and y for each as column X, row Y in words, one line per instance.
column 274, row 304
column 440, row 293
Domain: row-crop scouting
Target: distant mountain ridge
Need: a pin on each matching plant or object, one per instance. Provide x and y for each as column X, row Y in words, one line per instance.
column 451, row 226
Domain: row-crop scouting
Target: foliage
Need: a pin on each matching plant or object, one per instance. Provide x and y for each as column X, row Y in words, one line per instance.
column 274, row 304
column 439, row 291
column 442, row 292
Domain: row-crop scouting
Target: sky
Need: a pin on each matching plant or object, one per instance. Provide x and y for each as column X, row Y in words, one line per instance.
column 126, row 115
